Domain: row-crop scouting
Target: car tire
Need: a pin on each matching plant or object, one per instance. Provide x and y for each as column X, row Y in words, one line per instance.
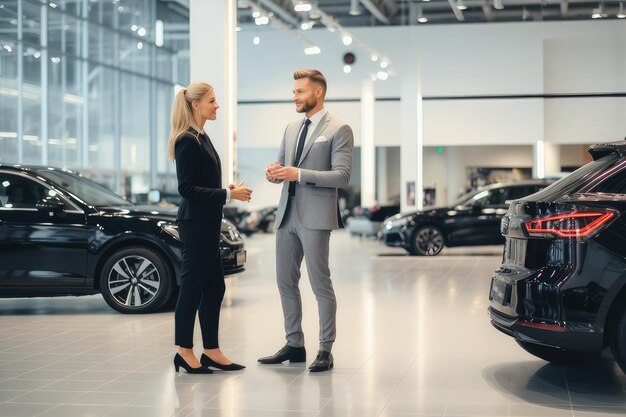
column 557, row 356
column 618, row 342
column 136, row 280
column 427, row 241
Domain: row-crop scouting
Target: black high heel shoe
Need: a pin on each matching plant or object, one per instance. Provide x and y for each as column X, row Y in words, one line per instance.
column 179, row 361
column 206, row 362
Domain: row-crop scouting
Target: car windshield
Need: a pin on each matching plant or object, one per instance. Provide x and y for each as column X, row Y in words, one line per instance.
column 467, row 199
column 88, row 191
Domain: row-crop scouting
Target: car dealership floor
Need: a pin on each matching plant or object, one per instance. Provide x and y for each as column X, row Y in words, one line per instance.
column 413, row 339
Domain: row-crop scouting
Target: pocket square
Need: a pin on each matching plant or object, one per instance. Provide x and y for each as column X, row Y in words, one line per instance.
column 321, row 139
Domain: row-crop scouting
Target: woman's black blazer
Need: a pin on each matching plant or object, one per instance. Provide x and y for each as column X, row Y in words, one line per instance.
column 199, row 173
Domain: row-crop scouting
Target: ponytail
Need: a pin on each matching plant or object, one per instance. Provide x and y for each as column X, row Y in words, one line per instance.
column 182, row 115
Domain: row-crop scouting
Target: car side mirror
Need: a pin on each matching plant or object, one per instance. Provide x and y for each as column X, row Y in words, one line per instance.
column 52, row 207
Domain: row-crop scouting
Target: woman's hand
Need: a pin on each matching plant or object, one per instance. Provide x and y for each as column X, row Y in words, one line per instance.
column 239, row 192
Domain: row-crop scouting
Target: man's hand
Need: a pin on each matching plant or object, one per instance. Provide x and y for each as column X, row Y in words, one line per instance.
column 283, row 173
column 270, row 168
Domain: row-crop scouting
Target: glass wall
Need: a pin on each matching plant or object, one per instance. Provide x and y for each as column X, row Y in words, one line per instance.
column 84, row 85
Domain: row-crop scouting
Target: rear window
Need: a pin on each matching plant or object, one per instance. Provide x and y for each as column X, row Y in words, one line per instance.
column 616, row 181
column 580, row 180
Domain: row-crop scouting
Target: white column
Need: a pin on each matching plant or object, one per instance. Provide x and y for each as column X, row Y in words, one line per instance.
column 546, row 159
column 552, row 155
column 411, row 147
column 368, row 150
column 382, row 190
column 539, row 167
column 213, row 53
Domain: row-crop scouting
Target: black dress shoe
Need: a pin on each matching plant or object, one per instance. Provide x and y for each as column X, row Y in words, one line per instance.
column 287, row 353
column 206, row 362
column 323, row 362
column 180, row 362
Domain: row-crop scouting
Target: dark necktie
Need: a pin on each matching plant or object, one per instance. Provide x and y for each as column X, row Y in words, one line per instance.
column 301, row 140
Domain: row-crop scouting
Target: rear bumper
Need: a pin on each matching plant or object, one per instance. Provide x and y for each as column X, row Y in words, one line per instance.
column 569, row 338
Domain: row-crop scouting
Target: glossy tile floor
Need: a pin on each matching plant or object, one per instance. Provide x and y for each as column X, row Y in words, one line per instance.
column 413, row 340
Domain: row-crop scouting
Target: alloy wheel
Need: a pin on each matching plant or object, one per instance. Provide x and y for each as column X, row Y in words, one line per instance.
column 134, row 281
column 428, row 241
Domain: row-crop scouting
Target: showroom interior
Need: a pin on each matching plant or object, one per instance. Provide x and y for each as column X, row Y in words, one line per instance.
column 448, row 100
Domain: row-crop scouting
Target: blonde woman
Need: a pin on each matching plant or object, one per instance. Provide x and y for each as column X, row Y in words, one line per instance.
column 198, row 169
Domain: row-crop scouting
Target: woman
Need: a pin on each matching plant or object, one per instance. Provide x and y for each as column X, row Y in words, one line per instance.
column 198, row 169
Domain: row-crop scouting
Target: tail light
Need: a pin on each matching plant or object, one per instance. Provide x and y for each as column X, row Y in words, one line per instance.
column 569, row 225
column 542, row 325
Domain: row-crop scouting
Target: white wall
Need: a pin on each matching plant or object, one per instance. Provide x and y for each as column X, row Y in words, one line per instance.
column 508, row 59
column 457, row 60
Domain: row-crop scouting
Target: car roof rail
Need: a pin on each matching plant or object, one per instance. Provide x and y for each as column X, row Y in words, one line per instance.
column 602, row 149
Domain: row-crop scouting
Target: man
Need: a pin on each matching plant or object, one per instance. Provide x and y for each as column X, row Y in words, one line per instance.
column 315, row 159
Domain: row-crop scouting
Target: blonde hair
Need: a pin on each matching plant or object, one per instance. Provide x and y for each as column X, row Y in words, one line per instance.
column 182, row 113
column 314, row 76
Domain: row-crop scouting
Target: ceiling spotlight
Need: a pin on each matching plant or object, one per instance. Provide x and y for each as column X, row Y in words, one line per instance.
column 307, row 25
column 355, row 8
column 256, row 14
column 256, row 40
column 133, row 28
column 382, row 75
column 347, row 40
column 621, row 14
column 384, row 64
column 460, row 4
column 374, row 57
column 599, row 12
column 263, row 20
column 302, row 6
column 420, row 15
column 313, row 50
column 141, row 31
column 347, row 69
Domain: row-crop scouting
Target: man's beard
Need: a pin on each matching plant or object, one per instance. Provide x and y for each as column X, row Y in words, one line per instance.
column 308, row 105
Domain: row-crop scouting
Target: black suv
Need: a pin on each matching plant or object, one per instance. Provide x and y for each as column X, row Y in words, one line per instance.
column 474, row 219
column 561, row 289
column 62, row 234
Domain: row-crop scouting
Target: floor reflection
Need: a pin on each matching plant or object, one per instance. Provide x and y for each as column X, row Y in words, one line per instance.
column 598, row 386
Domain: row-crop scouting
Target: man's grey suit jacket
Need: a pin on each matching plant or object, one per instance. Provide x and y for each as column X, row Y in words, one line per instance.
column 325, row 165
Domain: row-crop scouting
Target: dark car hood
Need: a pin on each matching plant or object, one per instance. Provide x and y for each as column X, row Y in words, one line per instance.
column 427, row 211
column 152, row 212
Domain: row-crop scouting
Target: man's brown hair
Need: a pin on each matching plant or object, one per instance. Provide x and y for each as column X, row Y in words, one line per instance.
column 314, row 76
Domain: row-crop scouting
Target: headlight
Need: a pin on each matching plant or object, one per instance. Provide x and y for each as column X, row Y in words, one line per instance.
column 395, row 223
column 172, row 230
